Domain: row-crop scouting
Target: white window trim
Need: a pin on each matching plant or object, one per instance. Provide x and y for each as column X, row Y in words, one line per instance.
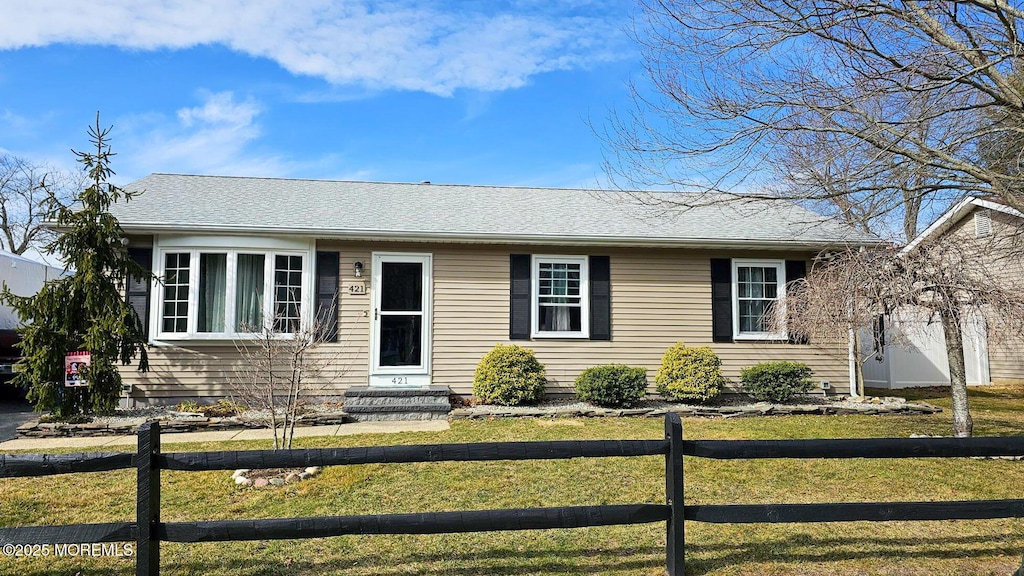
column 417, row 375
column 194, row 245
column 780, row 267
column 583, row 261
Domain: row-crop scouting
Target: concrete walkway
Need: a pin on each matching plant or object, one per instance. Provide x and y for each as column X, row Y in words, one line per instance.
column 223, row 435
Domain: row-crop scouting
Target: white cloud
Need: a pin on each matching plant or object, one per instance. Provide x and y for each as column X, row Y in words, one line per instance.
column 221, row 110
column 400, row 45
column 220, row 134
column 216, row 137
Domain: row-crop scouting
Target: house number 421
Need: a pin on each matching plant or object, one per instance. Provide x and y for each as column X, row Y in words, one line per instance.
column 357, row 289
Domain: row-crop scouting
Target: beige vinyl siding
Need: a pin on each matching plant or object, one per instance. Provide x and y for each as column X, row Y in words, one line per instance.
column 1006, row 363
column 1002, row 254
column 658, row 297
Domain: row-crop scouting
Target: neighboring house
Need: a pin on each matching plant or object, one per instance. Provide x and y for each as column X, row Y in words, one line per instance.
column 921, row 361
column 23, row 277
column 425, row 278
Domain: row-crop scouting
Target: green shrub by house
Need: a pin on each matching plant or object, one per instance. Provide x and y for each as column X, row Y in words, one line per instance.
column 776, row 381
column 690, row 374
column 509, row 375
column 612, row 385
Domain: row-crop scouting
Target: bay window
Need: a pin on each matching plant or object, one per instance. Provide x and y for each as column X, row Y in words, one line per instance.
column 211, row 293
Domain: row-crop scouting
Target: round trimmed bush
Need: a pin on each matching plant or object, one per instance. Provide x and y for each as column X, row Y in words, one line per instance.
column 690, row 374
column 509, row 375
column 776, row 381
column 612, row 385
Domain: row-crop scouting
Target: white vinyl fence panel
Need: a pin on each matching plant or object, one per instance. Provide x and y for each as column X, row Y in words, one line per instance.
column 915, row 353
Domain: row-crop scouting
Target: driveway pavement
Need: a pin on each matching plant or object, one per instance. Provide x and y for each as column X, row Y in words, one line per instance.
column 13, row 413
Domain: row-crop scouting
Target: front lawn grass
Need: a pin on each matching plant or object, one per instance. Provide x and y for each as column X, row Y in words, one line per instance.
column 858, row 548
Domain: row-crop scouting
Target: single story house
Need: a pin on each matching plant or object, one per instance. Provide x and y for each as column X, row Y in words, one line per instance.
column 419, row 281
column 997, row 231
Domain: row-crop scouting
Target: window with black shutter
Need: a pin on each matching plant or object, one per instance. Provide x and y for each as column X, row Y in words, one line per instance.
column 559, row 297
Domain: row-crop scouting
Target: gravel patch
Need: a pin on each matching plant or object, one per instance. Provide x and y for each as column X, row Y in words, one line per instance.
column 736, row 405
column 658, row 403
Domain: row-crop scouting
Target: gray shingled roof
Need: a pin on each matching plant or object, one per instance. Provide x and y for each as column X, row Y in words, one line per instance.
column 327, row 209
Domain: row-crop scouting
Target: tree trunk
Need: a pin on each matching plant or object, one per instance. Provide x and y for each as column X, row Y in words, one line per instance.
column 963, row 425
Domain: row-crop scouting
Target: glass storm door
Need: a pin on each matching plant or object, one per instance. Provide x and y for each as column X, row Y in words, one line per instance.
column 401, row 319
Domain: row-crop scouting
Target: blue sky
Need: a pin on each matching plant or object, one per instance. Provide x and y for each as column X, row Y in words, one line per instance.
column 472, row 92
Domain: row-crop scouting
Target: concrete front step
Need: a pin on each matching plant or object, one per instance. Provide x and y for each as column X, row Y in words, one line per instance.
column 410, row 400
column 398, row 416
column 364, row 404
column 350, row 409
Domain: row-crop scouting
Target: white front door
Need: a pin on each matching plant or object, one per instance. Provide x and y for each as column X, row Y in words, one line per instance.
column 400, row 346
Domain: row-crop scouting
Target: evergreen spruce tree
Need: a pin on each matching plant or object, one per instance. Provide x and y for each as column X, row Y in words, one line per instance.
column 86, row 309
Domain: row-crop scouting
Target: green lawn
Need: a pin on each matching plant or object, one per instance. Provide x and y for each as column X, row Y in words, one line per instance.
column 897, row 548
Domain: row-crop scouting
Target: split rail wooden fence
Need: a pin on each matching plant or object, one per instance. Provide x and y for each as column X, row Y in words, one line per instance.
column 148, row 531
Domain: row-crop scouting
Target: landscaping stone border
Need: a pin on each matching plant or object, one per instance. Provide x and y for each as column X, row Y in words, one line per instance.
column 870, row 406
column 36, row 429
column 863, row 406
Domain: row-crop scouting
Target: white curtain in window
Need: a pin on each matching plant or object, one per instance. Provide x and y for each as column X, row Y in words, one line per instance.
column 562, row 321
column 249, row 293
column 213, row 284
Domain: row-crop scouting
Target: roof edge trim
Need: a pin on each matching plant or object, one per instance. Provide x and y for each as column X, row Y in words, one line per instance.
column 326, row 233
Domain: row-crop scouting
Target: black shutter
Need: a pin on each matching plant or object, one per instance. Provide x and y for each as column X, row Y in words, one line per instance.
column 327, row 294
column 138, row 290
column 519, row 295
column 600, row 298
column 796, row 270
column 721, row 300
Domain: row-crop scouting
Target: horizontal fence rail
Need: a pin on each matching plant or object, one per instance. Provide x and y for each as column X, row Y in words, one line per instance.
column 476, row 452
column 15, row 465
column 855, row 511
column 69, row 534
column 416, row 523
column 857, row 448
column 148, row 531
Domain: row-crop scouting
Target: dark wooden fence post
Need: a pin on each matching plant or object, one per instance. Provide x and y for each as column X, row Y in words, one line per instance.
column 147, row 547
column 675, row 542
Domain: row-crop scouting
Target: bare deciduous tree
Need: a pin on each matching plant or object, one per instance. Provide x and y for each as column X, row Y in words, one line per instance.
column 946, row 280
column 25, row 188
column 280, row 368
column 875, row 190
column 915, row 86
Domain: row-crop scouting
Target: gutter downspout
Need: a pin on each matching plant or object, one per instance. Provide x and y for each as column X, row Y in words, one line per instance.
column 852, row 358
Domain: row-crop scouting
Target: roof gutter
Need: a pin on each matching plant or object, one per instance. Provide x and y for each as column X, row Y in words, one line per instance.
column 477, row 238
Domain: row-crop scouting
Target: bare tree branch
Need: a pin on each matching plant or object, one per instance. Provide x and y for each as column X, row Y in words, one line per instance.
column 27, row 190
column 903, row 93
